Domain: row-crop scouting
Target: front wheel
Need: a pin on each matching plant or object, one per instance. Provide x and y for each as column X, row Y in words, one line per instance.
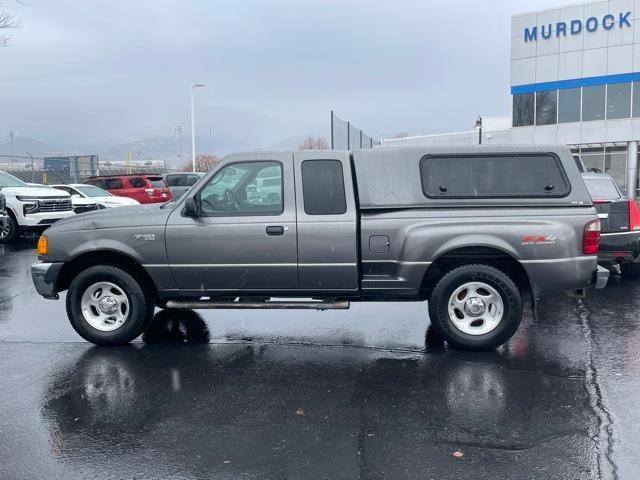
column 107, row 306
column 475, row 307
column 9, row 230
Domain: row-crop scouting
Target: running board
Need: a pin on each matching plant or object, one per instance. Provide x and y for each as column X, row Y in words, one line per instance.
column 197, row 305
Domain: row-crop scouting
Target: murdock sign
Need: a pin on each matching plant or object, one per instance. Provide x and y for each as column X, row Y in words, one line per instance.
column 574, row 27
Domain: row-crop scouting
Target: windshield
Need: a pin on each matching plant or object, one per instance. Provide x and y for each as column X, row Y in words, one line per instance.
column 7, row 180
column 91, row 191
column 602, row 189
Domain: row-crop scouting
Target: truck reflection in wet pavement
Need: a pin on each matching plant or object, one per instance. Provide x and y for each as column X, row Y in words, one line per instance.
column 274, row 411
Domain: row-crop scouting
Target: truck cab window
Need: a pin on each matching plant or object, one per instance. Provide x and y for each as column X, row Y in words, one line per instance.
column 323, row 187
column 244, row 188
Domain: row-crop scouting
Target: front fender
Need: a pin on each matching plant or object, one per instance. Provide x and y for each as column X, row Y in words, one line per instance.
column 103, row 244
column 144, row 244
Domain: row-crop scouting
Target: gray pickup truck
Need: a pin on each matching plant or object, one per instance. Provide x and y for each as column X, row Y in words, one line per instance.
column 468, row 229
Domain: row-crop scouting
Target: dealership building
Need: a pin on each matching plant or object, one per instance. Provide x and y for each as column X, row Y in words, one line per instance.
column 575, row 80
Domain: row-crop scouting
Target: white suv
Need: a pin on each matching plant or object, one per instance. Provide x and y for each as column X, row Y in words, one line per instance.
column 31, row 208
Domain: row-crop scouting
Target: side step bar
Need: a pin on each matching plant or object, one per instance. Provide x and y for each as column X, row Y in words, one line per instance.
column 307, row 305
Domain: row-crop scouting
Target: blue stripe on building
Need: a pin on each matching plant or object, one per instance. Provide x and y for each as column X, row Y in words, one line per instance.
column 575, row 83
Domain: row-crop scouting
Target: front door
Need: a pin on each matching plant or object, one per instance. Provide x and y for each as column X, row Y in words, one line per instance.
column 245, row 239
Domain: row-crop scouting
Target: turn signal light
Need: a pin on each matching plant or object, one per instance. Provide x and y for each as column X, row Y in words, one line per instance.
column 591, row 238
column 43, row 245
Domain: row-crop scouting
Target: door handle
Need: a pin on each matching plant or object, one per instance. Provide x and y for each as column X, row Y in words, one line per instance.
column 275, row 230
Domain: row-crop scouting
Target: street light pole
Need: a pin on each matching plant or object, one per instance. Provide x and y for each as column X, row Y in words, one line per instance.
column 193, row 128
column 478, row 125
column 12, row 137
column 33, row 179
column 179, row 130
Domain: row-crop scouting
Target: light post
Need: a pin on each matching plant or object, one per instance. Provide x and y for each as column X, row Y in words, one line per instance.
column 193, row 127
column 179, row 130
column 12, row 137
column 33, row 178
column 478, row 125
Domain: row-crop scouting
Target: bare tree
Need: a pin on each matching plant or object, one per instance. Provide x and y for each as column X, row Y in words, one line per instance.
column 204, row 163
column 312, row 143
column 7, row 21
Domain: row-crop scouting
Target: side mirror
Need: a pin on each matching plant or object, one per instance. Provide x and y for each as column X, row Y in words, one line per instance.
column 192, row 207
column 75, row 195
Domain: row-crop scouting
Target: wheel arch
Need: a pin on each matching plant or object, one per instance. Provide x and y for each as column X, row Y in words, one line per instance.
column 491, row 255
column 106, row 257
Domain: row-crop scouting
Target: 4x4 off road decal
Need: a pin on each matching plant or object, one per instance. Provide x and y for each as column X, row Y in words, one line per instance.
column 539, row 240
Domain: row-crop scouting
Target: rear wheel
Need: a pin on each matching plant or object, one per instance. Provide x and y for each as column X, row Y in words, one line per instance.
column 108, row 306
column 475, row 307
column 9, row 230
column 630, row 270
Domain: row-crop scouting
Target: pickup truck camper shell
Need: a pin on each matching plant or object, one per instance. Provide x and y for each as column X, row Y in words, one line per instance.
column 389, row 178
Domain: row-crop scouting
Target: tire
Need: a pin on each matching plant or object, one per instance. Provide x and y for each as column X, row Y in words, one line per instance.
column 124, row 317
column 630, row 270
column 10, row 231
column 456, row 295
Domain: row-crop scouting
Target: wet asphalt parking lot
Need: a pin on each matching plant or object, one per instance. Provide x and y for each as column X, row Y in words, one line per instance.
column 368, row 393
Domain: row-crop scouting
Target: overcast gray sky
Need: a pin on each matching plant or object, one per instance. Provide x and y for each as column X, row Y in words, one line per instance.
column 86, row 73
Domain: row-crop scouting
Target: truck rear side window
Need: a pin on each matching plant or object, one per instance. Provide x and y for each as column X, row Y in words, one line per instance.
column 323, row 187
column 493, row 176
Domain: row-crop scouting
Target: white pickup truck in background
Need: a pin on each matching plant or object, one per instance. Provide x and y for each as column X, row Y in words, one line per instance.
column 30, row 208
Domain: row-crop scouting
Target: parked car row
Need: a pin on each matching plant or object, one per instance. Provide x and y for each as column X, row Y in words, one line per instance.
column 35, row 207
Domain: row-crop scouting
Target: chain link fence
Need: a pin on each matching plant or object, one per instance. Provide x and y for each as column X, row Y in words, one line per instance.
column 345, row 136
column 37, row 171
column 56, row 177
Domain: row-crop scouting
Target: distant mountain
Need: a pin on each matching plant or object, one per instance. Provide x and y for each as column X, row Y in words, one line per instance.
column 163, row 148
column 154, row 148
column 23, row 146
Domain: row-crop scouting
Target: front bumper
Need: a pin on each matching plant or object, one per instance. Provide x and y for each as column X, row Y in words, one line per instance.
column 600, row 278
column 42, row 219
column 45, row 278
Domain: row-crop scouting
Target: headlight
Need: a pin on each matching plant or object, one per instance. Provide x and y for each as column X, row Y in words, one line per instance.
column 30, row 207
column 30, row 204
